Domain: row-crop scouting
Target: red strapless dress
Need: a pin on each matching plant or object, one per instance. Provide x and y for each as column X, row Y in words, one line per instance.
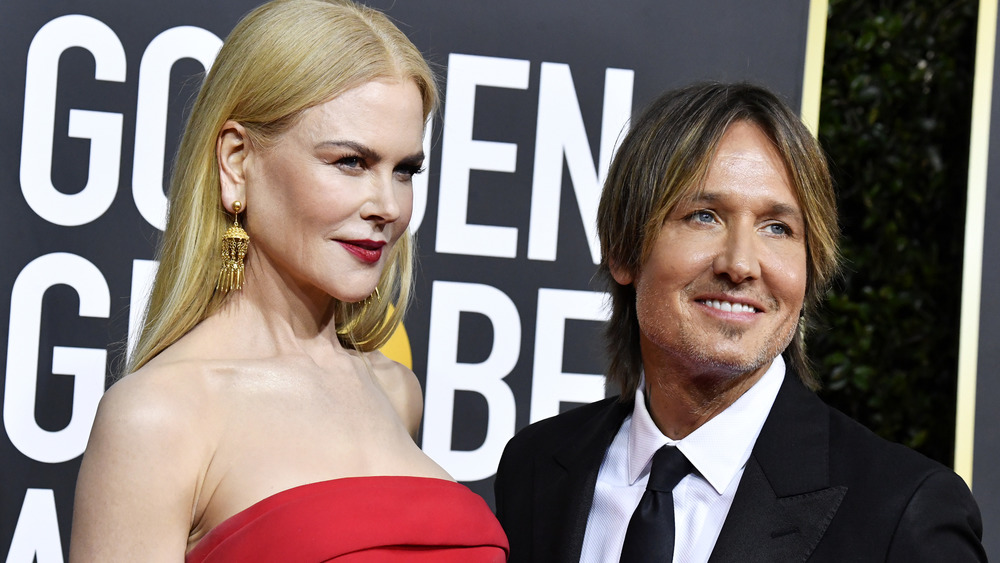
column 361, row 519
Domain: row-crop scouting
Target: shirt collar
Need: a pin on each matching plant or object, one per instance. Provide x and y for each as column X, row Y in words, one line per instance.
column 719, row 448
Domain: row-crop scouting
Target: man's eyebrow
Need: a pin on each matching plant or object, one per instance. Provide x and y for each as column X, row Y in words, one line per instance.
column 783, row 209
column 777, row 208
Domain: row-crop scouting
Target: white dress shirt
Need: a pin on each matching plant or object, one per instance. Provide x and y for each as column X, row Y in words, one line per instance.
column 719, row 450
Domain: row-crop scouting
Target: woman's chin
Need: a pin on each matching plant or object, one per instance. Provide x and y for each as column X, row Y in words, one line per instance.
column 358, row 298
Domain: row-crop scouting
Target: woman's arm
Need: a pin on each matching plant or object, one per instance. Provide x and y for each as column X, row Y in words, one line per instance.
column 139, row 477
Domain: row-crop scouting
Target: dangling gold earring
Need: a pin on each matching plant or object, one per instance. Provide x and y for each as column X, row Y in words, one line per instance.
column 234, row 249
column 375, row 295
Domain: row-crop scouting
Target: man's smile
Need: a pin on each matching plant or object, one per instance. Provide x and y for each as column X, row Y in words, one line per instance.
column 727, row 306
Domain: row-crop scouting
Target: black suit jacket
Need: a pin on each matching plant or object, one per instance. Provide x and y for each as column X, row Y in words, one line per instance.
column 818, row 487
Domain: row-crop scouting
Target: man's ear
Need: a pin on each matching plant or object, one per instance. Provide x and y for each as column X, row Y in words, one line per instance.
column 621, row 275
column 231, row 150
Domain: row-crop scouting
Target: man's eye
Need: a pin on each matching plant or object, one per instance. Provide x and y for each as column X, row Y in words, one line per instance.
column 778, row 229
column 703, row 216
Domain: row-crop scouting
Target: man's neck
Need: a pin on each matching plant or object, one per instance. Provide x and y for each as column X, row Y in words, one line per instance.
column 679, row 402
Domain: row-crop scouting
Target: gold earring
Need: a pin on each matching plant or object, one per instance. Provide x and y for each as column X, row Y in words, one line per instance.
column 234, row 248
column 373, row 298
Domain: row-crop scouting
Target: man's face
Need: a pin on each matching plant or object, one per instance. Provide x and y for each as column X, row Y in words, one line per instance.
column 722, row 289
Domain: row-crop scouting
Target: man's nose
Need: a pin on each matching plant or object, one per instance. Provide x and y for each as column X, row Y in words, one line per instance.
column 738, row 258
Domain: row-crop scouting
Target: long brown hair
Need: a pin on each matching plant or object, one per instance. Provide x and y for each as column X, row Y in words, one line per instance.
column 663, row 158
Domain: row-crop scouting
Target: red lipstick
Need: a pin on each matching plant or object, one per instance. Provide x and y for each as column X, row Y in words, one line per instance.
column 368, row 251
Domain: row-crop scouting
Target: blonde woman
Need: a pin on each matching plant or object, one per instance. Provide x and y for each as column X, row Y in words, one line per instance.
column 258, row 420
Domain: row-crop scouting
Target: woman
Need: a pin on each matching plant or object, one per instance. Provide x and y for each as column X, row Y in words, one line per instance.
column 259, row 421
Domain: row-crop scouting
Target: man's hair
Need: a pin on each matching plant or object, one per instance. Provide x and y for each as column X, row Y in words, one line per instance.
column 664, row 158
column 281, row 59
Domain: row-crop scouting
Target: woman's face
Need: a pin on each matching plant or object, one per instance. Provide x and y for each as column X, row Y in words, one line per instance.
column 327, row 202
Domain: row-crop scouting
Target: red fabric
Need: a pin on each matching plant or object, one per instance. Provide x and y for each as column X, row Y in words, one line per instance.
column 361, row 519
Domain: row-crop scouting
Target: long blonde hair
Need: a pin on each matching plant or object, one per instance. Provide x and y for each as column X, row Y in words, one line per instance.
column 281, row 59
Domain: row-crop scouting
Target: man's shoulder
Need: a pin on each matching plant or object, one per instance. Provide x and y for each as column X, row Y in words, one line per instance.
column 901, row 496
column 852, row 444
column 570, row 420
column 863, row 452
column 553, row 431
column 874, row 467
column 849, row 453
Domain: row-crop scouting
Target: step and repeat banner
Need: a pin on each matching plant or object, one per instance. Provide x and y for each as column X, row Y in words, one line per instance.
column 978, row 420
column 505, row 327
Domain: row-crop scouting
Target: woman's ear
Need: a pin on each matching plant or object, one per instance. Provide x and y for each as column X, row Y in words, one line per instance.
column 231, row 150
column 621, row 275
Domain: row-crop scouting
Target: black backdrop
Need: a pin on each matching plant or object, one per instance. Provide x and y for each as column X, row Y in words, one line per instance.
column 505, row 325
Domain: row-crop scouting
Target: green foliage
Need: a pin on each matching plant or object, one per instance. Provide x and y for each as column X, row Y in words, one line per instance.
column 894, row 120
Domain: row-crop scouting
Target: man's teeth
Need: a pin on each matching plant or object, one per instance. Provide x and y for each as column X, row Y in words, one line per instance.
column 729, row 307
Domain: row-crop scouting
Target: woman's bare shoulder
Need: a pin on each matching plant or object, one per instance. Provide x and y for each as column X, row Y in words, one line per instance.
column 402, row 388
column 162, row 393
column 161, row 412
column 141, row 473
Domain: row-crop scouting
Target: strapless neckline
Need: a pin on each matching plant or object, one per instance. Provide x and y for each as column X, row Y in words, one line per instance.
column 369, row 518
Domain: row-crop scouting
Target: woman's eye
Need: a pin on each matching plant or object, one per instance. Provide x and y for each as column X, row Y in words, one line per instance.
column 349, row 162
column 408, row 172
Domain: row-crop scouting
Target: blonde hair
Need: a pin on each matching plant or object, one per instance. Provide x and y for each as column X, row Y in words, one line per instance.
column 281, row 59
column 665, row 157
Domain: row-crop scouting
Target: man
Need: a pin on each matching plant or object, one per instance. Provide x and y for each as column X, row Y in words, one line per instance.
column 718, row 231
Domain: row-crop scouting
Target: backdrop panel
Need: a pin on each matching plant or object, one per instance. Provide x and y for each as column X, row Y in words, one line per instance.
column 505, row 325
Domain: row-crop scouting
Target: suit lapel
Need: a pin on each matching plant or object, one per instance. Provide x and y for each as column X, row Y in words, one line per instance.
column 762, row 527
column 784, row 502
column 573, row 476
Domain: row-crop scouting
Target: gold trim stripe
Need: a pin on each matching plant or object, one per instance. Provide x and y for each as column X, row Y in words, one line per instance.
column 975, row 220
column 812, row 75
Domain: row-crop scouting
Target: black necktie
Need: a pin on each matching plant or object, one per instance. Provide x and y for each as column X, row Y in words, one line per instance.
column 650, row 533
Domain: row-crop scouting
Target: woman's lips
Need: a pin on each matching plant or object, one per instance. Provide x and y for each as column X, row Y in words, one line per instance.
column 368, row 251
